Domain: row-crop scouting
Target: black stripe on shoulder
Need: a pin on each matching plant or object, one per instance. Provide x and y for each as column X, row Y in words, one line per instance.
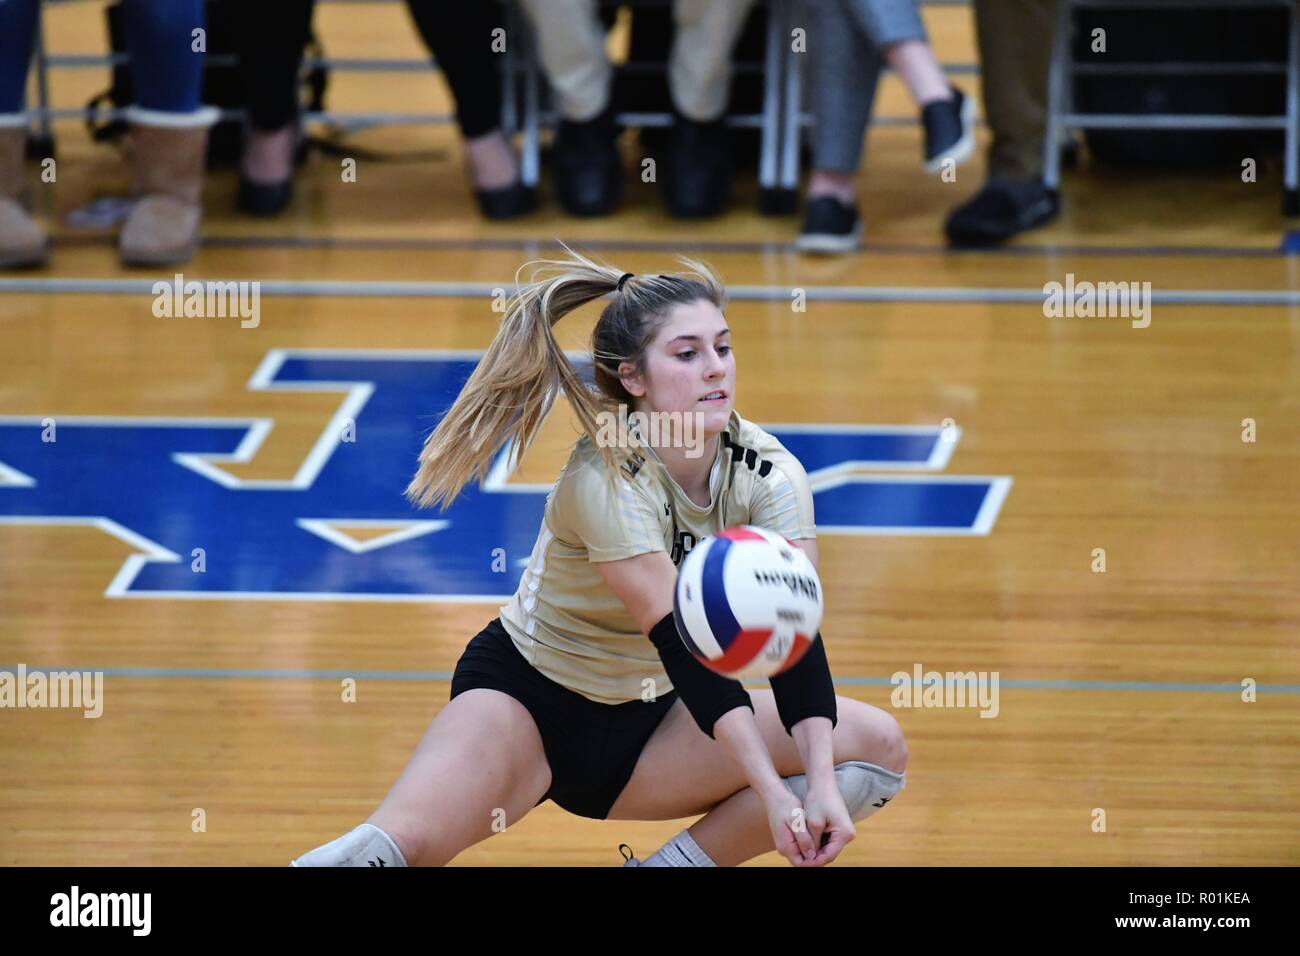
column 731, row 446
column 749, row 456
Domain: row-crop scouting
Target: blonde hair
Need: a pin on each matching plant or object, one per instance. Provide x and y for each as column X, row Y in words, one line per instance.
column 519, row 377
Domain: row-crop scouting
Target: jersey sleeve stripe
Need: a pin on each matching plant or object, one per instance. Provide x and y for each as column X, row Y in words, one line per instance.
column 783, row 502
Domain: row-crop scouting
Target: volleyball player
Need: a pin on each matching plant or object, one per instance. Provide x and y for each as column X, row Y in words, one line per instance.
column 581, row 691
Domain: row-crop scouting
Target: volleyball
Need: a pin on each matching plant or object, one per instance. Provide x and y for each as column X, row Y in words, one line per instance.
column 748, row 603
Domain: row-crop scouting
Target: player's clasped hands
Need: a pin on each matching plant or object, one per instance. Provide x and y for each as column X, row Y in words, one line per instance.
column 811, row 832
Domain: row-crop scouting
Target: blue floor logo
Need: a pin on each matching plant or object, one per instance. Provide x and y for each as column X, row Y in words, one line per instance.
column 339, row 528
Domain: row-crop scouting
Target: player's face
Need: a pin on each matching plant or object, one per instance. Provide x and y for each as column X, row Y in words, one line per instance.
column 689, row 360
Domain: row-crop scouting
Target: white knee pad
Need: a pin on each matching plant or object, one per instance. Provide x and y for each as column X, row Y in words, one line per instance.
column 865, row 787
column 367, row 845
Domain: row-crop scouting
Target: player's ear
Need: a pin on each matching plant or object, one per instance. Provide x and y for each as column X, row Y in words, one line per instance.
column 632, row 378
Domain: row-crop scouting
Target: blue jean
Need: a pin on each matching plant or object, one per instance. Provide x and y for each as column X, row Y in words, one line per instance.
column 166, row 70
column 17, row 37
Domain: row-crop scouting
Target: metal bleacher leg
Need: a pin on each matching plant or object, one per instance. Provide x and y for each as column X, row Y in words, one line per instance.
column 769, row 202
column 510, row 74
column 531, row 159
column 1290, row 196
column 1059, row 73
column 792, row 120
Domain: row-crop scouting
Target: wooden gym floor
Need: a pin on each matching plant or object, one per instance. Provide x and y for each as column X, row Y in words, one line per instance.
column 1119, row 690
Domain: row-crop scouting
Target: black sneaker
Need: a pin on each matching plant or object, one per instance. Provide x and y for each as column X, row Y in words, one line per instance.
column 696, row 173
column 586, row 165
column 1002, row 209
column 949, row 130
column 829, row 226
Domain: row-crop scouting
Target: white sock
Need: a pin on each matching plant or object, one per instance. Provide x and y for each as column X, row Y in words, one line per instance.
column 367, row 845
column 681, row 850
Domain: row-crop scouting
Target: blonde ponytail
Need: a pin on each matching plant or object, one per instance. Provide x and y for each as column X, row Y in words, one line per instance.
column 519, row 377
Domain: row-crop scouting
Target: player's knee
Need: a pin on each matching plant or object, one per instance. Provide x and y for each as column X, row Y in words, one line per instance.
column 878, row 738
column 896, row 744
column 866, row 787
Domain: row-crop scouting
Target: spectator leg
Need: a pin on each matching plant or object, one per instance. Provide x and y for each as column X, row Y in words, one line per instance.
column 841, row 98
column 699, row 66
column 571, row 43
column 1015, row 48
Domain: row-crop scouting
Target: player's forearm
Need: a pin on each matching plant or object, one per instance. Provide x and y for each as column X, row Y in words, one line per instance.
column 738, row 732
column 805, row 700
column 813, row 738
column 806, row 689
column 708, row 696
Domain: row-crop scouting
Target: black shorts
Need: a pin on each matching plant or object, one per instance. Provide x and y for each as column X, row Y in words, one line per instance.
column 592, row 748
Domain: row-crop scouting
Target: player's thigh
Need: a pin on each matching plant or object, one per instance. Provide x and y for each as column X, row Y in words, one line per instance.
column 682, row 772
column 480, row 767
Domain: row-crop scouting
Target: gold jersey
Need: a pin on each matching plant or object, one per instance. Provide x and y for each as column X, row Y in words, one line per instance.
column 567, row 622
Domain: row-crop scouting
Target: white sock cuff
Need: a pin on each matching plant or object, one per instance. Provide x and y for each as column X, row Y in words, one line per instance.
column 692, row 850
column 681, row 850
column 388, row 841
column 201, row 118
column 366, row 845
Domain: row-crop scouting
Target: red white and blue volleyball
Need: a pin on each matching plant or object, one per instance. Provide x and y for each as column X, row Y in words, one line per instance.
column 748, row 603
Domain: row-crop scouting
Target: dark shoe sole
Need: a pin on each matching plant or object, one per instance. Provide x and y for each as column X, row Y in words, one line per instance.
column 573, row 185
column 264, row 199
column 606, row 204
column 714, row 201
column 1042, row 212
column 26, row 260
column 829, row 242
column 507, row 202
column 174, row 259
column 679, row 211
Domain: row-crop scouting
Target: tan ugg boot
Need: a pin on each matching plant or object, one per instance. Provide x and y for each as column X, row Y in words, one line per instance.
column 167, row 179
column 22, row 242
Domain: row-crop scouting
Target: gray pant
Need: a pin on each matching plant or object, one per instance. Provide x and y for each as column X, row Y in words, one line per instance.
column 845, row 40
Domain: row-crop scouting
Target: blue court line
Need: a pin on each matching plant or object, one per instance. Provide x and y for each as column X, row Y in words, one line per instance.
column 222, row 673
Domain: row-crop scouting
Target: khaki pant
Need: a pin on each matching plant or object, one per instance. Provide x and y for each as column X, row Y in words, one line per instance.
column 1015, row 47
column 571, row 41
